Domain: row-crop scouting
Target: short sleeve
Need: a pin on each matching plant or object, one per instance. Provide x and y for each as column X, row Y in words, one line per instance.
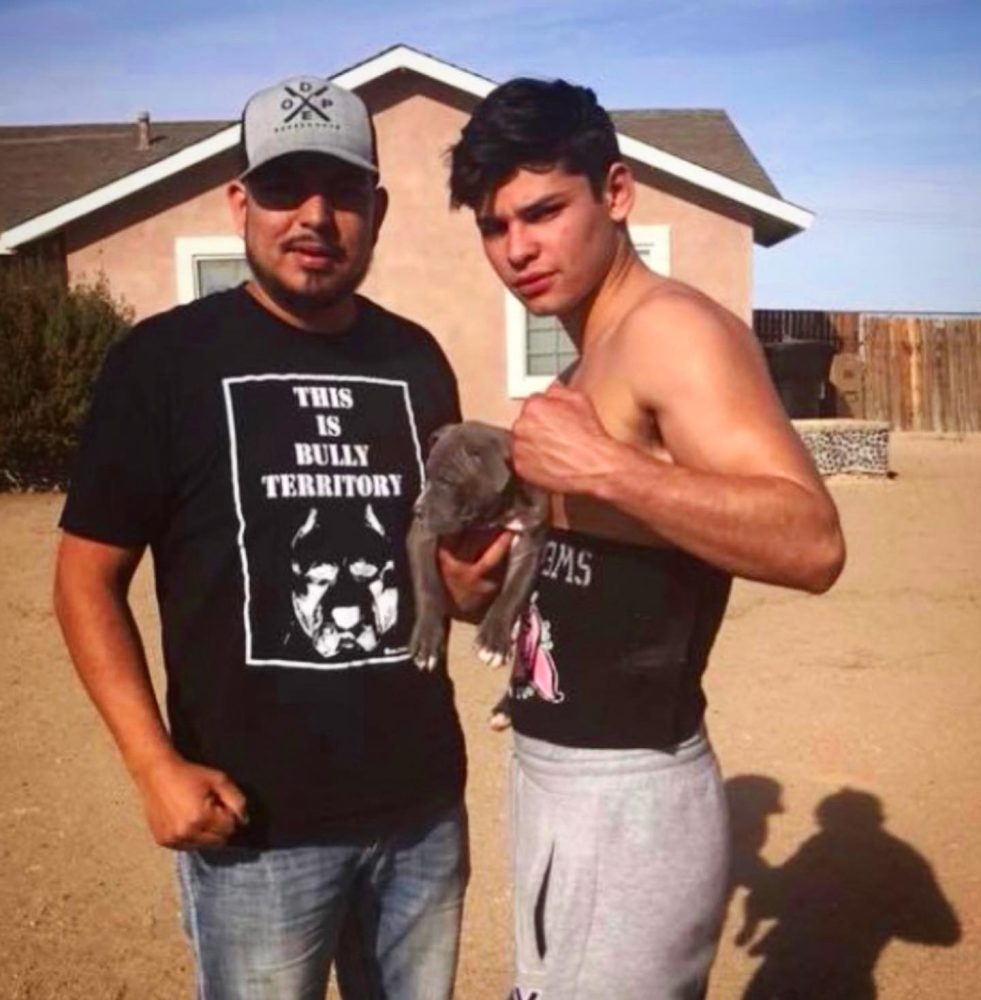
column 451, row 391
column 117, row 491
column 441, row 397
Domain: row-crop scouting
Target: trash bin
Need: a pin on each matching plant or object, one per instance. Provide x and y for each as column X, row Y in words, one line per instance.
column 799, row 369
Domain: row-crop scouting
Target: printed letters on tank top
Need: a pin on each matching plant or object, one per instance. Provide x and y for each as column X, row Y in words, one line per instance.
column 611, row 648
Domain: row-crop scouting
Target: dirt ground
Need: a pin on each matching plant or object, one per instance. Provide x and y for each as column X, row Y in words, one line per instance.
column 865, row 702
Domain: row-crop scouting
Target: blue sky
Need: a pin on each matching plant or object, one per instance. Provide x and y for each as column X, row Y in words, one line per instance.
column 867, row 113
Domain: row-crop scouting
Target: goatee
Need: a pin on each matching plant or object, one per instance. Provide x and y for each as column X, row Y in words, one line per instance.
column 311, row 303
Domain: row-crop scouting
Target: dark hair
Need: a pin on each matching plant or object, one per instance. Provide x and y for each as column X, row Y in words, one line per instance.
column 536, row 124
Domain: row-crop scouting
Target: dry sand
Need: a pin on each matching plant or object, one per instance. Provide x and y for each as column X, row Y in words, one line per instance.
column 875, row 688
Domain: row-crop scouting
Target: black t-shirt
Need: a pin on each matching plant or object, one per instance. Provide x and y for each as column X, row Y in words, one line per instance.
column 272, row 472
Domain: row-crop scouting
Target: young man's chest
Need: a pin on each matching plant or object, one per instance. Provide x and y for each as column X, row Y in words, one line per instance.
column 600, row 375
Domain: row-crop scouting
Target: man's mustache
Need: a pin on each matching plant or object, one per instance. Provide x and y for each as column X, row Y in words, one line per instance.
column 308, row 245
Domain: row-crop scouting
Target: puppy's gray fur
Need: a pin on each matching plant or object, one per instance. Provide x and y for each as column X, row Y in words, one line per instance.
column 471, row 484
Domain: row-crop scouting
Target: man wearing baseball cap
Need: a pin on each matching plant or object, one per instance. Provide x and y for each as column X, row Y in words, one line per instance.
column 266, row 443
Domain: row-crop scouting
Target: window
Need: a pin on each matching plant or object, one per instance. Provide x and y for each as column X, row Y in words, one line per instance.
column 207, row 264
column 537, row 346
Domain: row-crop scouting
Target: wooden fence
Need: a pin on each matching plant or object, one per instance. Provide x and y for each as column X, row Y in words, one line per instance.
column 921, row 372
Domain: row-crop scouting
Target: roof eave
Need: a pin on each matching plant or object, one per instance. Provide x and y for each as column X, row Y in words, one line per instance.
column 787, row 219
column 769, row 213
column 773, row 231
column 56, row 218
column 768, row 232
column 403, row 57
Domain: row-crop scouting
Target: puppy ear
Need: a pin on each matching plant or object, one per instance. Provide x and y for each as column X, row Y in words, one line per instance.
column 437, row 434
column 498, row 469
column 495, row 450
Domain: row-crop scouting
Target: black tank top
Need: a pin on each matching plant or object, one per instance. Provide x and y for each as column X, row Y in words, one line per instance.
column 613, row 645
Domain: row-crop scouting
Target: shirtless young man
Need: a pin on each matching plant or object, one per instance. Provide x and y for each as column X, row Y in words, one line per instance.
column 672, row 468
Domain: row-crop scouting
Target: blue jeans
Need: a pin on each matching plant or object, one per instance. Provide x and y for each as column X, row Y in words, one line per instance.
column 266, row 925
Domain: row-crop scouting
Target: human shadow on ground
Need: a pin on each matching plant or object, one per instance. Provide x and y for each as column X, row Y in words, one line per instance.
column 847, row 891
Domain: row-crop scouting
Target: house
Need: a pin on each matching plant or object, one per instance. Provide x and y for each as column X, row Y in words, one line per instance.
column 144, row 205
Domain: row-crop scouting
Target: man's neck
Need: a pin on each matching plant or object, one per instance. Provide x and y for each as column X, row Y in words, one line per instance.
column 624, row 284
column 332, row 318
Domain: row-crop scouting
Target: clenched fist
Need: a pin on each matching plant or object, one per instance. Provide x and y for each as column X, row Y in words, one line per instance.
column 559, row 442
column 189, row 806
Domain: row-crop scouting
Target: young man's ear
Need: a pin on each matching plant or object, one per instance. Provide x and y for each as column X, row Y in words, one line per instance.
column 619, row 191
column 381, row 210
column 237, row 205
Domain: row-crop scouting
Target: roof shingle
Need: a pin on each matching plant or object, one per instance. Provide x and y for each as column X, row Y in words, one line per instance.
column 44, row 166
column 706, row 137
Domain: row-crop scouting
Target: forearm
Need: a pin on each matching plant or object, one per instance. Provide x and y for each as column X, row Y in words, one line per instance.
column 108, row 655
column 187, row 805
column 766, row 528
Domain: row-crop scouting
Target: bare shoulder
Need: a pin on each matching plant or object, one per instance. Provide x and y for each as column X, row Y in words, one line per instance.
column 672, row 310
column 675, row 332
column 699, row 371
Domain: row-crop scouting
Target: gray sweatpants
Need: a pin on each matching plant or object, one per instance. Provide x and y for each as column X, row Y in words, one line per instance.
column 620, row 861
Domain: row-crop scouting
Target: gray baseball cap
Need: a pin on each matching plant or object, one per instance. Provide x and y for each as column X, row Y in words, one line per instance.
column 306, row 114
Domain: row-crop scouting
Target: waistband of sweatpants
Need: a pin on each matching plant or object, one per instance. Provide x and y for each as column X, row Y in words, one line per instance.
column 542, row 757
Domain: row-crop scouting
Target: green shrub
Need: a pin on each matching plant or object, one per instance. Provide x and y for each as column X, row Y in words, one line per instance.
column 52, row 342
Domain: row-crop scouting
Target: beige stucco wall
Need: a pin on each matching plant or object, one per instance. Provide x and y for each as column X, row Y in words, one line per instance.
column 132, row 242
column 711, row 242
column 428, row 263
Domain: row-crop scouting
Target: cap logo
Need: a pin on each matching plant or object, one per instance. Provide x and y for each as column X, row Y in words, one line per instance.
column 307, row 114
column 302, row 104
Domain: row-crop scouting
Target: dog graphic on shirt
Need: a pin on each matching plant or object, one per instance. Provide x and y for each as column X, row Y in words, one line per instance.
column 343, row 592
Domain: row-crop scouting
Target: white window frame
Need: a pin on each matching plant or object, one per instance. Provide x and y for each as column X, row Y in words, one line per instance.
column 188, row 250
column 520, row 383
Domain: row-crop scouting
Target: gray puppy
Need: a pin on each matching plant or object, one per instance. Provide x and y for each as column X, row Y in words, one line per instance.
column 471, row 484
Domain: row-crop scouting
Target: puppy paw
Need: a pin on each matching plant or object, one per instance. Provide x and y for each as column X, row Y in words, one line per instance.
column 491, row 657
column 493, row 641
column 428, row 642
